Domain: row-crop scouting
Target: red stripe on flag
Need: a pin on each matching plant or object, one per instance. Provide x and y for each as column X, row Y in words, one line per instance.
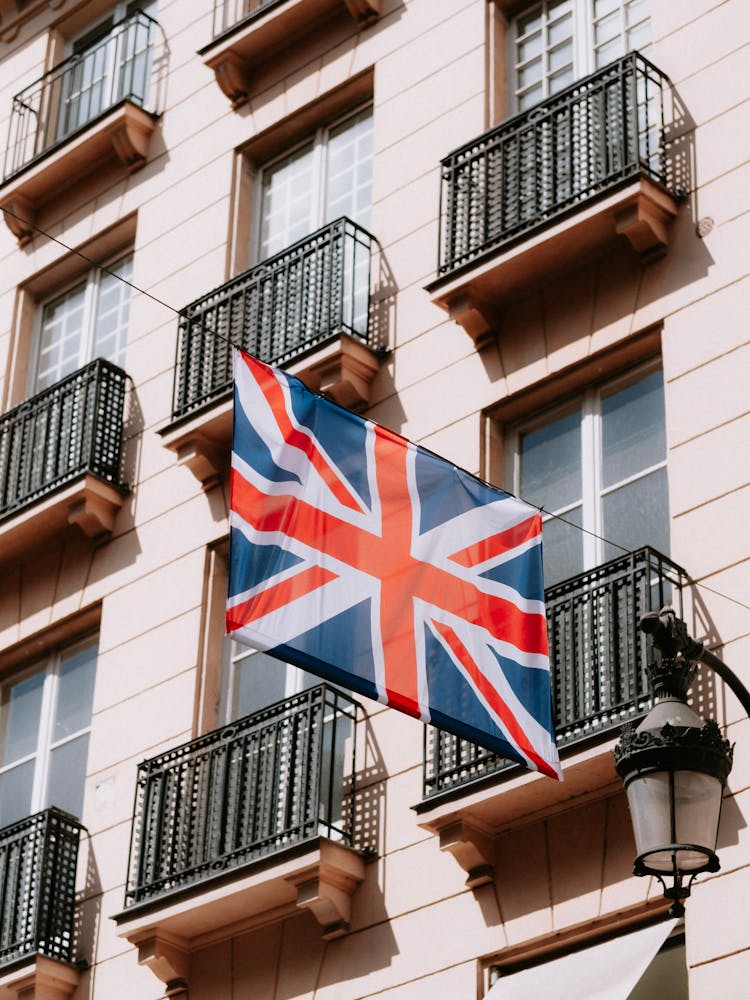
column 497, row 545
column 278, row 596
column 493, row 698
column 269, row 386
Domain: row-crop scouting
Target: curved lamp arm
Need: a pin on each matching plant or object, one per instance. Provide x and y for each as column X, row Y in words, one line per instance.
column 670, row 636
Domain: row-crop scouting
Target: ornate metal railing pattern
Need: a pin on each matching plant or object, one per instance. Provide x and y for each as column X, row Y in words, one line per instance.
column 276, row 311
column 228, row 14
column 115, row 68
column 38, row 858
column 597, row 661
column 74, row 426
column 259, row 785
column 584, row 141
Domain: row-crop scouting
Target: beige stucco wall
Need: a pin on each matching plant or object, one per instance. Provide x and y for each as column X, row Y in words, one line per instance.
column 417, row 930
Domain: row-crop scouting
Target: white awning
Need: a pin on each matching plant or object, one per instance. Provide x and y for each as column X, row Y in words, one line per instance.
column 606, row 971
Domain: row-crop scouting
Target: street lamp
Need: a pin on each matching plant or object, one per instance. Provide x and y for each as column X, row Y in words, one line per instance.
column 674, row 765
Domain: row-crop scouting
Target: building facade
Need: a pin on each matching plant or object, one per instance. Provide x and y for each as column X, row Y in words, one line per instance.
column 515, row 233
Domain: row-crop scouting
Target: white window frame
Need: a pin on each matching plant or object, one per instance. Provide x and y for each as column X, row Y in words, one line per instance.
column 592, row 490
column 584, row 47
column 93, row 278
column 319, row 141
column 45, row 743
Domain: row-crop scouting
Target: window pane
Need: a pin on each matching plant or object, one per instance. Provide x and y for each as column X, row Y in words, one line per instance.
column 287, row 209
column 349, row 169
column 602, row 7
column 633, row 433
column 551, row 463
column 637, row 514
column 562, row 547
column 560, row 31
column 561, row 57
column 259, row 681
column 530, row 74
column 15, row 793
column 530, row 22
column 22, row 703
column 112, row 312
column 60, row 339
column 67, row 771
column 75, row 693
column 529, row 49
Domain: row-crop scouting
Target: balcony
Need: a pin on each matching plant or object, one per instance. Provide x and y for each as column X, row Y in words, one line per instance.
column 247, row 33
column 38, row 858
column 559, row 182
column 598, row 680
column 60, row 458
column 89, row 110
column 307, row 309
column 251, row 820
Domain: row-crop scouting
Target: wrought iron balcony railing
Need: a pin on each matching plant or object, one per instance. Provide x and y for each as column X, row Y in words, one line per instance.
column 597, row 662
column 277, row 311
column 82, row 88
column 258, row 786
column 38, row 858
column 230, row 13
column 601, row 132
column 71, row 428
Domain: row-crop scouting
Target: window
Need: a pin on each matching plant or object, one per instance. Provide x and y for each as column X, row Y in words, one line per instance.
column 45, row 718
column 556, row 42
column 252, row 680
column 89, row 320
column 323, row 179
column 114, row 62
column 599, row 463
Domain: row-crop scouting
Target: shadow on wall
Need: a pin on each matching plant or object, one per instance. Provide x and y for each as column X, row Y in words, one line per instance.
column 88, row 914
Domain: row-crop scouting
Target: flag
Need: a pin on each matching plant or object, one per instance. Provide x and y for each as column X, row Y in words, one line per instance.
column 377, row 565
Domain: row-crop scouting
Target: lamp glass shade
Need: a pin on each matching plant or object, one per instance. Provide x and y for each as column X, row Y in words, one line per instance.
column 683, row 812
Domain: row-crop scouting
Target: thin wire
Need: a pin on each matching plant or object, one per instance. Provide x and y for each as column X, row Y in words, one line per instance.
column 214, row 333
column 107, row 270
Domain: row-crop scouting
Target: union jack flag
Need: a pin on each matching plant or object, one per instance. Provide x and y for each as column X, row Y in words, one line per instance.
column 380, row 566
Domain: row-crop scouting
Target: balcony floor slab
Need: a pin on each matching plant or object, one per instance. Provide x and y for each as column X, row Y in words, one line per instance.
column 87, row 502
column 475, row 297
column 321, row 876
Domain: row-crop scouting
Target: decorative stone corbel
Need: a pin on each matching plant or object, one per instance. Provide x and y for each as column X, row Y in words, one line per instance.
column 168, row 957
column 326, row 890
column 19, row 217
column 95, row 509
column 342, row 370
column 364, row 12
column 473, row 848
column 231, row 72
column 130, row 138
column 204, row 458
column 476, row 317
column 645, row 221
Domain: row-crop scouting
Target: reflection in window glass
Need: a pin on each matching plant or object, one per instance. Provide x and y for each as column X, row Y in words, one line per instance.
column 602, row 466
column 551, row 463
column 633, row 432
